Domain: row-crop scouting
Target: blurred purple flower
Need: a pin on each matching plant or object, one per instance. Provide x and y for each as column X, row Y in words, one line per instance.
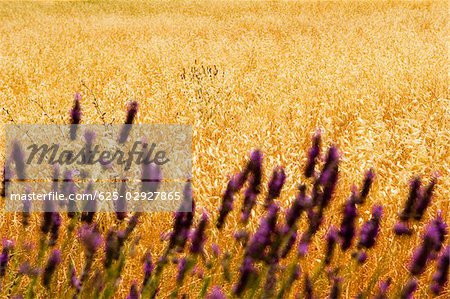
column 4, row 257
column 402, row 228
column 90, row 238
column 370, row 229
column 148, row 268
column 347, row 229
column 383, row 289
column 216, row 293
column 75, row 116
column 413, row 197
column 134, row 291
column 131, row 114
column 247, row 271
column 367, row 183
column 52, row 262
column 19, row 160
column 331, row 240
column 409, row 289
column 313, row 154
column 440, row 276
column 199, row 236
column 423, row 253
column 182, row 268
column 424, row 200
column 275, row 184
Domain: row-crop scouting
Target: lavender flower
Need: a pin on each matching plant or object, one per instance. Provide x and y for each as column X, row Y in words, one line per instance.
column 441, row 228
column 74, row 282
column 75, row 116
column 402, row 228
column 254, row 168
column 289, row 244
column 331, row 240
column 261, row 239
column 198, row 238
column 335, row 288
column 112, row 248
column 52, row 262
column 361, row 257
column 440, row 276
column 299, row 205
column 54, row 229
column 275, row 185
column 216, row 293
column 308, row 288
column 148, row 268
column 215, row 249
column 313, row 154
column 182, row 222
column 247, row 272
column 424, row 200
column 151, row 177
column 409, row 289
column 91, row 239
column 347, row 229
column 4, row 257
column 134, row 291
column 384, row 286
column 26, row 269
column 131, row 114
column 370, row 229
column 7, row 175
column 182, row 269
column 368, row 181
column 91, row 205
column 19, row 160
column 423, row 253
column 227, row 202
column 414, row 195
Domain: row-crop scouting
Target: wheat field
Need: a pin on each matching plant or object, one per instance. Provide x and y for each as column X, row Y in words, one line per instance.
column 373, row 75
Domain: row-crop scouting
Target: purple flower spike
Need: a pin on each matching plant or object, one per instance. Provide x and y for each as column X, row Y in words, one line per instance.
column 384, row 286
column 441, row 228
column 112, row 248
column 414, row 194
column 19, row 160
column 7, row 175
column 215, row 249
column 261, row 238
column 52, row 263
column 247, row 271
column 199, row 237
column 75, row 116
column 148, row 268
column 134, row 291
column 361, row 257
column 409, row 289
column 368, row 181
column 440, row 276
column 227, row 202
column 402, row 228
column 216, row 293
column 424, row 201
column 423, row 254
column 331, row 240
column 4, row 257
column 182, row 268
column 131, row 114
column 313, row 154
column 151, row 177
column 275, row 185
column 347, row 229
column 298, row 206
column 74, row 281
column 290, row 243
column 90, row 238
column 54, row 230
column 370, row 229
column 335, row 288
column 308, row 288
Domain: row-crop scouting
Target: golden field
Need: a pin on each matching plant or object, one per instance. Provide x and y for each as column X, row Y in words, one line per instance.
column 372, row 75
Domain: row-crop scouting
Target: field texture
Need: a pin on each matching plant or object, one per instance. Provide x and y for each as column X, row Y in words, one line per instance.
column 373, row 76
